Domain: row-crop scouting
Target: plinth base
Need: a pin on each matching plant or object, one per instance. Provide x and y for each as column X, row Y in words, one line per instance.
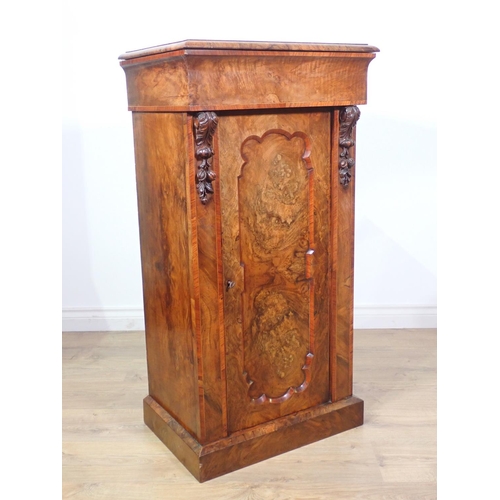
column 252, row 445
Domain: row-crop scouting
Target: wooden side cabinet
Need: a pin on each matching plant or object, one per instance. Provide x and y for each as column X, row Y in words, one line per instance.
column 245, row 178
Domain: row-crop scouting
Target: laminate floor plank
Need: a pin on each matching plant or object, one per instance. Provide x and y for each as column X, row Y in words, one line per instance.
column 281, row 490
column 108, row 452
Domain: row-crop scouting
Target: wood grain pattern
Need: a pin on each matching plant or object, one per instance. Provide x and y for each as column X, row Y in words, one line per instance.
column 161, row 163
column 276, row 205
column 343, row 273
column 271, row 225
column 207, row 295
column 218, row 80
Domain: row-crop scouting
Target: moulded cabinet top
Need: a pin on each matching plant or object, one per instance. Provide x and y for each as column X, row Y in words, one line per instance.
column 197, row 75
column 248, row 45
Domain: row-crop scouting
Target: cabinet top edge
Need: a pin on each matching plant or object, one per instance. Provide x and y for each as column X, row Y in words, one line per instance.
column 249, row 45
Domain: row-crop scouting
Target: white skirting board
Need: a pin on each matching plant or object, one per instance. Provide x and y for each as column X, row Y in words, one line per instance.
column 365, row 317
column 83, row 319
column 395, row 316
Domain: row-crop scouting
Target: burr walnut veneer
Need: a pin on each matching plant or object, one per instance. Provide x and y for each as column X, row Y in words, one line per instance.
column 245, row 178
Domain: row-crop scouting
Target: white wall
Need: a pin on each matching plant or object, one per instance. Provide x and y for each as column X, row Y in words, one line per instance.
column 395, row 274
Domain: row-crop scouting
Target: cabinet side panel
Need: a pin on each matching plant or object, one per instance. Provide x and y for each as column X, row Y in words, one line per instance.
column 343, row 274
column 160, row 151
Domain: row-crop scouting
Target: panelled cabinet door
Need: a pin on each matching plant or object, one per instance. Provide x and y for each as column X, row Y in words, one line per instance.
column 275, row 179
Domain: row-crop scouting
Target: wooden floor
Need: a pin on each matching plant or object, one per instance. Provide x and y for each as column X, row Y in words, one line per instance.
column 108, row 453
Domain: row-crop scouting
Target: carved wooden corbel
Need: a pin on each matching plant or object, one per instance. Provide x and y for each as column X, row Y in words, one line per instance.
column 204, row 124
column 348, row 118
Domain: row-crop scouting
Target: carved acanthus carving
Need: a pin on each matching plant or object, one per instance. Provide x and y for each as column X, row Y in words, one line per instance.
column 348, row 118
column 205, row 124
